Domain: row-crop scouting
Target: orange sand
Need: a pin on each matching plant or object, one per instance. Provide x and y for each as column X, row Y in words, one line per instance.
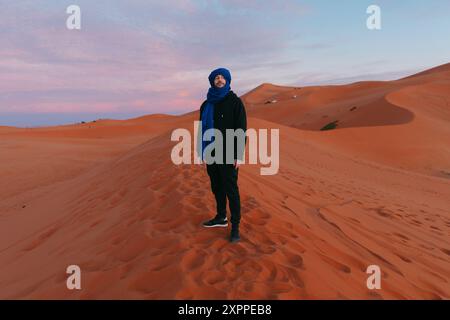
column 106, row 196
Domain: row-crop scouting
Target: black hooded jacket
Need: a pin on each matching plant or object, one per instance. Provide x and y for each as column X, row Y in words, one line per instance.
column 229, row 113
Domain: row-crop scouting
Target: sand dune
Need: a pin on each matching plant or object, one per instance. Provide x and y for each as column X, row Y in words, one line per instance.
column 402, row 123
column 375, row 190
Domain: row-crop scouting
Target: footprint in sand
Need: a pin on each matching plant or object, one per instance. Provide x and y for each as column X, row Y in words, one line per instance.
column 336, row 264
column 213, row 277
column 293, row 259
column 249, row 204
column 41, row 239
column 405, row 259
column 258, row 217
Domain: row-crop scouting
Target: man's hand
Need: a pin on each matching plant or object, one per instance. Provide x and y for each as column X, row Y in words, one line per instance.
column 237, row 163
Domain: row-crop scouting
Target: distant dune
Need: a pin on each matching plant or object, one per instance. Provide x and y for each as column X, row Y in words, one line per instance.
column 372, row 190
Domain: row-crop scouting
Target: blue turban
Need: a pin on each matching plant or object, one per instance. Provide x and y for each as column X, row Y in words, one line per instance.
column 214, row 96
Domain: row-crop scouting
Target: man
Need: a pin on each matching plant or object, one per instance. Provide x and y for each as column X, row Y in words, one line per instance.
column 223, row 110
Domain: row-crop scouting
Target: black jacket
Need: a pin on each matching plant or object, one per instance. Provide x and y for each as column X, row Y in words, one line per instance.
column 229, row 113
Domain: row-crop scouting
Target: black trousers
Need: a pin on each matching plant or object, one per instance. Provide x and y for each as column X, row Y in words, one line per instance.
column 224, row 185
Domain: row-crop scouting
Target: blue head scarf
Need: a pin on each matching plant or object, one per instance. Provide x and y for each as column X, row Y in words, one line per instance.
column 214, row 96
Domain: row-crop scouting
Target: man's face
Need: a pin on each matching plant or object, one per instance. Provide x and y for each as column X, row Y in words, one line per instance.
column 219, row 81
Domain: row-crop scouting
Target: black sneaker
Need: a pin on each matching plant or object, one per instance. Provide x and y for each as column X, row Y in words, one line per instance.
column 234, row 236
column 216, row 222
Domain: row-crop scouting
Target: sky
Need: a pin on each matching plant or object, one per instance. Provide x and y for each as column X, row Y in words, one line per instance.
column 138, row 57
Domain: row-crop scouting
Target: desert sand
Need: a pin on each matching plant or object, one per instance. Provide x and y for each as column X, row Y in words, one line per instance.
column 105, row 196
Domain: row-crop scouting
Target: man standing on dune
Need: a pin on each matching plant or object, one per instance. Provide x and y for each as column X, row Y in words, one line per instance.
column 223, row 110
